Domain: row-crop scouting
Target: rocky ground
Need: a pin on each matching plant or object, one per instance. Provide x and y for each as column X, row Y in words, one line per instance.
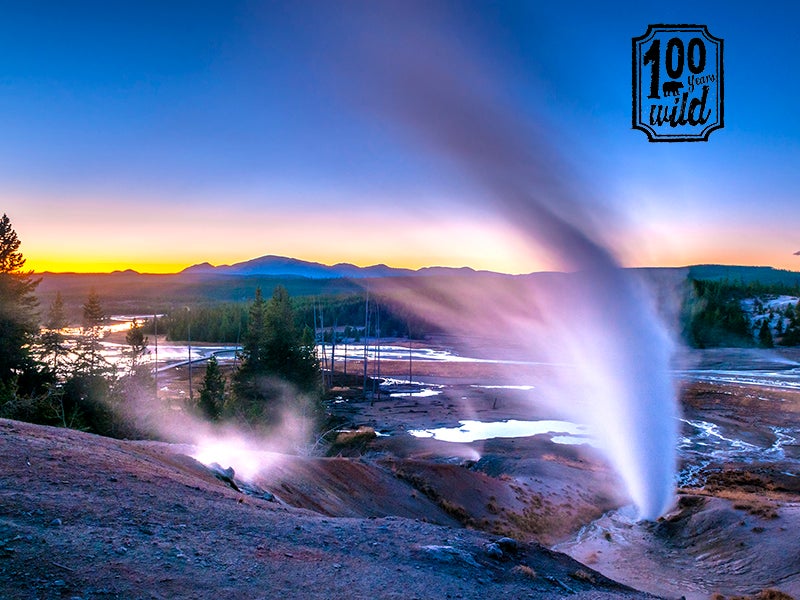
column 394, row 516
column 732, row 531
column 89, row 517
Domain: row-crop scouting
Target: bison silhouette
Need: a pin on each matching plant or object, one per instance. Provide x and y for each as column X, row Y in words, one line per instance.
column 670, row 88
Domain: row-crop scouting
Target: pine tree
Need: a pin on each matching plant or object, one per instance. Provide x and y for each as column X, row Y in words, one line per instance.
column 132, row 395
column 18, row 318
column 308, row 367
column 254, row 344
column 765, row 335
column 11, row 259
column 137, row 343
column 91, row 361
column 272, row 353
column 791, row 335
column 54, row 348
column 212, row 391
column 280, row 348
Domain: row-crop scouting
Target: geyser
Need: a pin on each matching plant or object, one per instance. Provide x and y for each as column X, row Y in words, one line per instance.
column 413, row 69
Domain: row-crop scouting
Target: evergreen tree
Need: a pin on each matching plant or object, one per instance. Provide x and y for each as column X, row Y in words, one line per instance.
column 791, row 335
column 18, row 318
column 11, row 259
column 308, row 365
column 291, row 356
column 90, row 361
column 220, row 323
column 85, row 398
column 765, row 335
column 54, row 348
column 127, row 398
column 713, row 315
column 137, row 343
column 254, row 342
column 271, row 354
column 212, row 391
column 280, row 339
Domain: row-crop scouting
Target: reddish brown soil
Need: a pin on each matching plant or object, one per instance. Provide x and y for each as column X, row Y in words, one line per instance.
column 89, row 517
column 393, row 517
column 735, row 535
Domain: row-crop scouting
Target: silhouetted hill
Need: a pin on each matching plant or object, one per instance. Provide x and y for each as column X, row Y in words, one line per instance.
column 124, row 291
column 734, row 273
column 292, row 267
column 282, row 266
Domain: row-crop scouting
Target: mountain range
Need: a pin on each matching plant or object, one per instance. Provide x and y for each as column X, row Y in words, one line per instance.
column 282, row 266
column 126, row 291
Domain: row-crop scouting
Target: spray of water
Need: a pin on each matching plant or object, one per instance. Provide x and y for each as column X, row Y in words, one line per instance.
column 598, row 321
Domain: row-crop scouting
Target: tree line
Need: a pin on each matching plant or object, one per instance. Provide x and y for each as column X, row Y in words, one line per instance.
column 713, row 315
column 220, row 323
column 228, row 323
column 46, row 378
column 49, row 378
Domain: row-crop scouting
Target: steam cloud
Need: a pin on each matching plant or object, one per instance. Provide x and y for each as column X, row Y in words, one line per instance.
column 251, row 450
column 600, row 321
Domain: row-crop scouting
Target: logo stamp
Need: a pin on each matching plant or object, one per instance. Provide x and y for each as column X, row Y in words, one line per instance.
column 678, row 91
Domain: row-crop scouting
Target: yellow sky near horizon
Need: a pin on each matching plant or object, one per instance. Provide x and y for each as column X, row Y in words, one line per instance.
column 164, row 237
column 494, row 251
column 488, row 246
column 481, row 246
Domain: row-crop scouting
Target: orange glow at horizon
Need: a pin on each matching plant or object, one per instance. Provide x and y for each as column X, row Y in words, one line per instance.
column 725, row 246
column 500, row 263
column 104, row 238
column 403, row 244
column 108, row 264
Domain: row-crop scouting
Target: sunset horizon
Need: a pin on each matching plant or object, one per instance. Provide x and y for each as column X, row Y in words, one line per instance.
column 379, row 299
column 205, row 144
column 174, row 269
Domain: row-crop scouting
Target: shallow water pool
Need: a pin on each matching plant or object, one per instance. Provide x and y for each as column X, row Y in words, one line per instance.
column 564, row 432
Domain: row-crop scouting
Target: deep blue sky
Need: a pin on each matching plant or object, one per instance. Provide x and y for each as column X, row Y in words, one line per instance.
column 155, row 135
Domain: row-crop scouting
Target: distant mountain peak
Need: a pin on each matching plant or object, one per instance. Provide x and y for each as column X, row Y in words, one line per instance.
column 284, row 266
column 204, row 267
column 125, row 272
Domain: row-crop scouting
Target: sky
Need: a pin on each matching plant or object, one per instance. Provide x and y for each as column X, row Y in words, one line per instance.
column 155, row 135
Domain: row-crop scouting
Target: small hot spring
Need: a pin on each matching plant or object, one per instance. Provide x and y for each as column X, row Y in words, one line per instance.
column 562, row 432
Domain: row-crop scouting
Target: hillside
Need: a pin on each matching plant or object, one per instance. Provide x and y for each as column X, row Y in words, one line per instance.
column 283, row 266
column 162, row 526
column 734, row 273
column 131, row 292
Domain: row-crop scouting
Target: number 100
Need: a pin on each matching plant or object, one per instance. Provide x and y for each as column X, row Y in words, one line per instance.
column 675, row 59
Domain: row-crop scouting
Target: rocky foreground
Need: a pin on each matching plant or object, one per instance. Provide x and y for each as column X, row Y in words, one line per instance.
column 83, row 516
column 395, row 516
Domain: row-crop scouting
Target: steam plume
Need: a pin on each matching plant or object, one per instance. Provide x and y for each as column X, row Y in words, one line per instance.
column 600, row 322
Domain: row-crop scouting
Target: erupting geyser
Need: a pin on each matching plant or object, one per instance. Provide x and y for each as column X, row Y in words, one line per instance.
column 598, row 321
